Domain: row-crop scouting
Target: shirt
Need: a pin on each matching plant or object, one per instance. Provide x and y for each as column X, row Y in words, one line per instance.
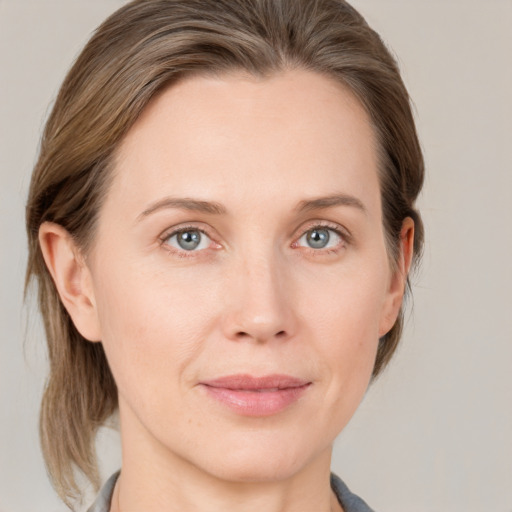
column 350, row 502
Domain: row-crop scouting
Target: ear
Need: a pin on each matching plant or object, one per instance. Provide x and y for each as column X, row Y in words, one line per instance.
column 398, row 279
column 72, row 278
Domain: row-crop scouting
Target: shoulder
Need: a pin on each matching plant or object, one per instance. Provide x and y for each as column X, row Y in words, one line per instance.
column 349, row 501
column 102, row 503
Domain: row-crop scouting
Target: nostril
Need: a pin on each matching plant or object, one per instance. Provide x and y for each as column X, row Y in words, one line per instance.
column 243, row 334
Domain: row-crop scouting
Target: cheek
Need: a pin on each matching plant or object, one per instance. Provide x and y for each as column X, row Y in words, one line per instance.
column 347, row 304
column 155, row 323
column 148, row 325
column 343, row 316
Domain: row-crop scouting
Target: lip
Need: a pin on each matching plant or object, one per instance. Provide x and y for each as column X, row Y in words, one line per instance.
column 256, row 396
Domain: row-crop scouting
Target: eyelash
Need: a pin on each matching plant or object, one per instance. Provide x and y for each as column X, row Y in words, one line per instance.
column 183, row 229
column 343, row 234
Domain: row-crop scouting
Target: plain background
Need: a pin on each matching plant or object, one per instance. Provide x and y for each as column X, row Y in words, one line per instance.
column 435, row 432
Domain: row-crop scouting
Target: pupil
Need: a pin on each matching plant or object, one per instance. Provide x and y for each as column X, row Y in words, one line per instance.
column 189, row 240
column 318, row 238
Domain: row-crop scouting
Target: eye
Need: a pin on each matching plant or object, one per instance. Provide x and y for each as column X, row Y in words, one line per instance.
column 188, row 239
column 320, row 237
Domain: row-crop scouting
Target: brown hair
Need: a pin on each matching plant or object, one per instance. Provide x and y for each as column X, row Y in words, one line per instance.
column 142, row 48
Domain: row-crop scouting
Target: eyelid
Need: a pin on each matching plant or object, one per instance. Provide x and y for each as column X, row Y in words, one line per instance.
column 326, row 224
column 176, row 230
column 340, row 231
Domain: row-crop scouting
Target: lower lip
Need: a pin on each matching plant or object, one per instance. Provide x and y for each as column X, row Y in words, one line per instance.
column 256, row 403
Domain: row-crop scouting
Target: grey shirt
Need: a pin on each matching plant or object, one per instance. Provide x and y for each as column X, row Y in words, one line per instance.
column 350, row 502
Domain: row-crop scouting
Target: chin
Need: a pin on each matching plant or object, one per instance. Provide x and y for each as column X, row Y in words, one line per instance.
column 261, row 460
column 256, row 471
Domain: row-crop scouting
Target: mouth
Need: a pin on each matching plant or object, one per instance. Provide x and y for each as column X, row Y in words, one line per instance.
column 256, row 396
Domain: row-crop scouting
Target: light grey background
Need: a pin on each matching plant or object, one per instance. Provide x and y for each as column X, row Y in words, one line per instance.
column 435, row 432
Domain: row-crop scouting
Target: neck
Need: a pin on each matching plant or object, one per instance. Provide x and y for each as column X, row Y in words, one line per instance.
column 216, row 498
column 154, row 479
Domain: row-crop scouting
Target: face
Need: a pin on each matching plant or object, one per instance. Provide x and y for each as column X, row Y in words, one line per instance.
column 239, row 275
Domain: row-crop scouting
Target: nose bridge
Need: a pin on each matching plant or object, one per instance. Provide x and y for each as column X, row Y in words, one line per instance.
column 260, row 308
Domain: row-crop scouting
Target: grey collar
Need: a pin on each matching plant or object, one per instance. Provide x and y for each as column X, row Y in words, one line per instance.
column 350, row 502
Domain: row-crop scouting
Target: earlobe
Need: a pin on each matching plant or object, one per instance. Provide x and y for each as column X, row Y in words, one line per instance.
column 398, row 280
column 72, row 278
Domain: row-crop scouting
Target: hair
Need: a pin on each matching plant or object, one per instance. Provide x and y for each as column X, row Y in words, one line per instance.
column 142, row 48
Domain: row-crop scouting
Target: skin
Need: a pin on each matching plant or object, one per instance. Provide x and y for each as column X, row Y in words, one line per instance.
column 253, row 298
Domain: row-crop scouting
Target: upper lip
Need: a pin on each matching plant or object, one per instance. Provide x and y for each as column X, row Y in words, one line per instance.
column 244, row 382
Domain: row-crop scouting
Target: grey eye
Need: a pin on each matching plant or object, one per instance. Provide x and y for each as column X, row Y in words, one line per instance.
column 318, row 238
column 189, row 240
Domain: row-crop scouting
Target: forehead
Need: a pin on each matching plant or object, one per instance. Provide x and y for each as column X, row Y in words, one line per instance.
column 237, row 136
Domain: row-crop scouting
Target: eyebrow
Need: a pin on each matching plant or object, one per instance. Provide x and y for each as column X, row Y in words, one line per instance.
column 214, row 208
column 185, row 203
column 322, row 203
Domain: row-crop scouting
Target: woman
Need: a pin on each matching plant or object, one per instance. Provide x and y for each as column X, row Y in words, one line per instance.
column 221, row 222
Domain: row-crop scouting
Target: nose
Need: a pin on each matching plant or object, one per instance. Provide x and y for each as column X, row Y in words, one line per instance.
column 259, row 304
